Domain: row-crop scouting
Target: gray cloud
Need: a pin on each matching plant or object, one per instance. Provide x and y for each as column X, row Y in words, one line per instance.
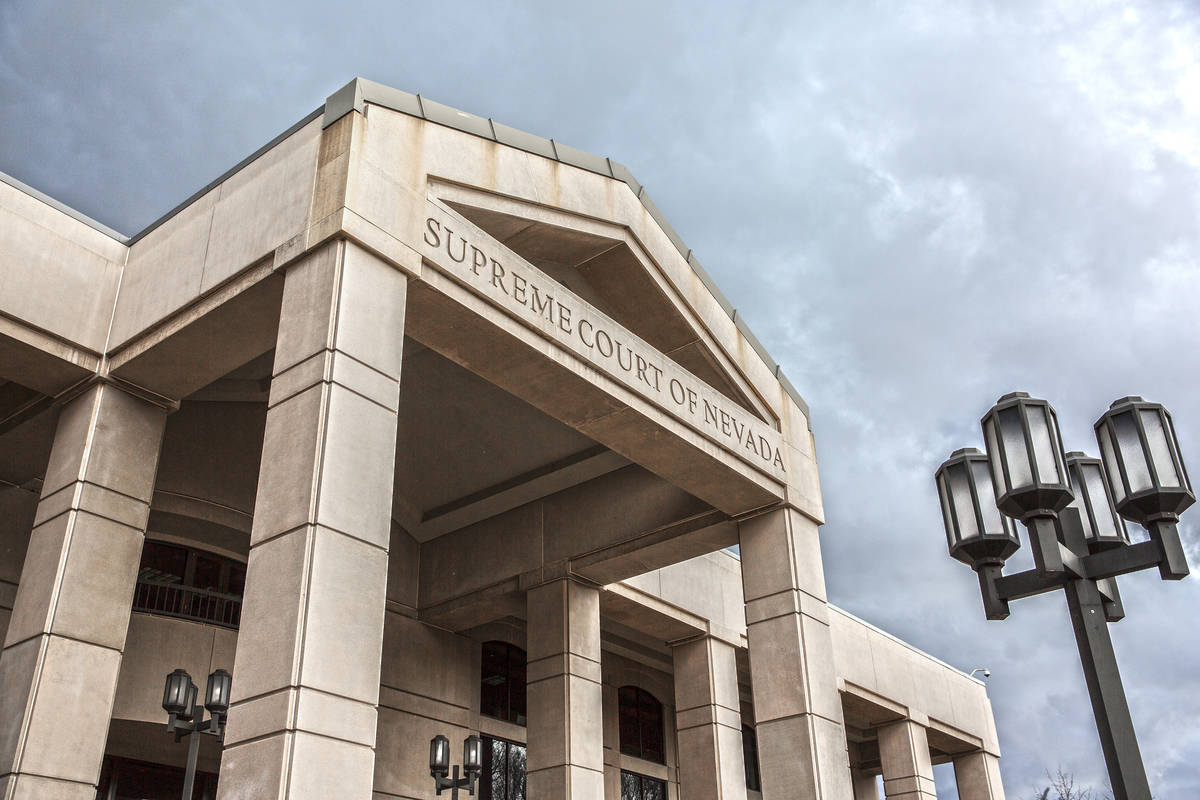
column 918, row 208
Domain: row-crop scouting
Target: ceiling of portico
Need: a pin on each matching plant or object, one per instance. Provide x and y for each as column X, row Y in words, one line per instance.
column 465, row 449
column 462, row 441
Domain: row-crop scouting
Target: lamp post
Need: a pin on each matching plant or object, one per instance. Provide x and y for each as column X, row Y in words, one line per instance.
column 185, row 716
column 439, row 765
column 1072, row 506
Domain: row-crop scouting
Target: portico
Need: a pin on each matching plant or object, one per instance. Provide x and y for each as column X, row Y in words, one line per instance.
column 450, row 392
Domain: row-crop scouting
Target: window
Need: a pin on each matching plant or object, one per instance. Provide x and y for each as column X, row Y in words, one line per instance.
column 502, row 682
column 180, row 581
column 641, row 719
column 126, row 779
column 503, row 776
column 640, row 787
column 750, row 754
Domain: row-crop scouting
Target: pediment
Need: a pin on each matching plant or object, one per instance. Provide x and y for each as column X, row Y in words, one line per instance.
column 606, row 266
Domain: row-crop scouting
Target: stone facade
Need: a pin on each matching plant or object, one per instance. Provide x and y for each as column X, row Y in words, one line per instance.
column 419, row 424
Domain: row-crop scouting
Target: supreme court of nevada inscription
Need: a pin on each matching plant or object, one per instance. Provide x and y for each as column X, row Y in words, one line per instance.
column 477, row 259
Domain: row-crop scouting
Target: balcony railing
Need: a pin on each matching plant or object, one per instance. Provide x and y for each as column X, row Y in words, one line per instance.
column 187, row 602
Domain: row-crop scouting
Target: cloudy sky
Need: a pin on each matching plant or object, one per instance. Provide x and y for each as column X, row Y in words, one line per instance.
column 917, row 206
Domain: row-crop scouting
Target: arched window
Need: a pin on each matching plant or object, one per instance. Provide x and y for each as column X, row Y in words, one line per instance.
column 750, row 754
column 502, row 682
column 641, row 717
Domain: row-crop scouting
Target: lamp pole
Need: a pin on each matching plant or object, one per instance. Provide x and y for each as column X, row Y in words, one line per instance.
column 185, row 716
column 439, row 765
column 1073, row 507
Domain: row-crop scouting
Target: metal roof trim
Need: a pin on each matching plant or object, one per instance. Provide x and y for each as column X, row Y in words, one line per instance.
column 226, row 175
column 64, row 208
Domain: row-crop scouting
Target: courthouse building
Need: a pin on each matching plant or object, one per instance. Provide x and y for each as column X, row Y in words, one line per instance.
column 419, row 425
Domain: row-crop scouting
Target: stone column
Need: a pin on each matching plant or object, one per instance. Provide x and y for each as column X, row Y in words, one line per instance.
column 801, row 737
column 306, row 676
column 865, row 785
column 978, row 777
column 62, row 651
column 708, row 720
column 565, row 759
column 907, row 770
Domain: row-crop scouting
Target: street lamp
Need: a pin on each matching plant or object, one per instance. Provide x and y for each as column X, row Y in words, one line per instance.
column 185, row 716
column 439, row 765
column 1072, row 506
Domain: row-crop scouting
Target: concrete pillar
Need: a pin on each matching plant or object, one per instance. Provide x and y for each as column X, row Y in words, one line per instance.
column 565, row 759
column 306, row 676
column 62, row 651
column 866, row 786
column 708, row 720
column 907, row 770
column 978, row 777
column 801, row 736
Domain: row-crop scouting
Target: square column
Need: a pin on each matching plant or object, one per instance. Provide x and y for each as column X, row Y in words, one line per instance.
column 865, row 785
column 978, row 777
column 708, row 721
column 907, row 769
column 565, row 758
column 62, row 650
column 801, row 736
column 306, row 675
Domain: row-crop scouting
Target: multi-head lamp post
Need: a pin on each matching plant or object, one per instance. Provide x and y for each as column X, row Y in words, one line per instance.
column 185, row 716
column 1072, row 506
column 439, row 765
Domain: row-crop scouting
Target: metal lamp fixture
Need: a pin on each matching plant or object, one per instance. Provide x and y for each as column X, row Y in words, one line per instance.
column 440, row 769
column 1103, row 527
column 1149, row 483
column 185, row 716
column 1073, row 506
column 216, row 696
column 1029, row 472
column 976, row 532
column 178, row 694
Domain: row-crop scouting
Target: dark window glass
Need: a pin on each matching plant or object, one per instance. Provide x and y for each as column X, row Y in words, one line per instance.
column 641, row 787
column 183, row 582
column 750, row 754
column 207, row 573
column 237, row 579
column 503, row 776
column 502, row 682
column 640, row 718
column 163, row 562
column 125, row 779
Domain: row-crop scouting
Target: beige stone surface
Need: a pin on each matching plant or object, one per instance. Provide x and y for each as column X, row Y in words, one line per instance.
column 154, row 648
column 565, row 731
column 977, row 776
column 58, row 274
column 907, row 769
column 796, row 702
column 708, row 720
column 307, row 673
column 223, row 232
column 866, row 785
column 63, row 647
